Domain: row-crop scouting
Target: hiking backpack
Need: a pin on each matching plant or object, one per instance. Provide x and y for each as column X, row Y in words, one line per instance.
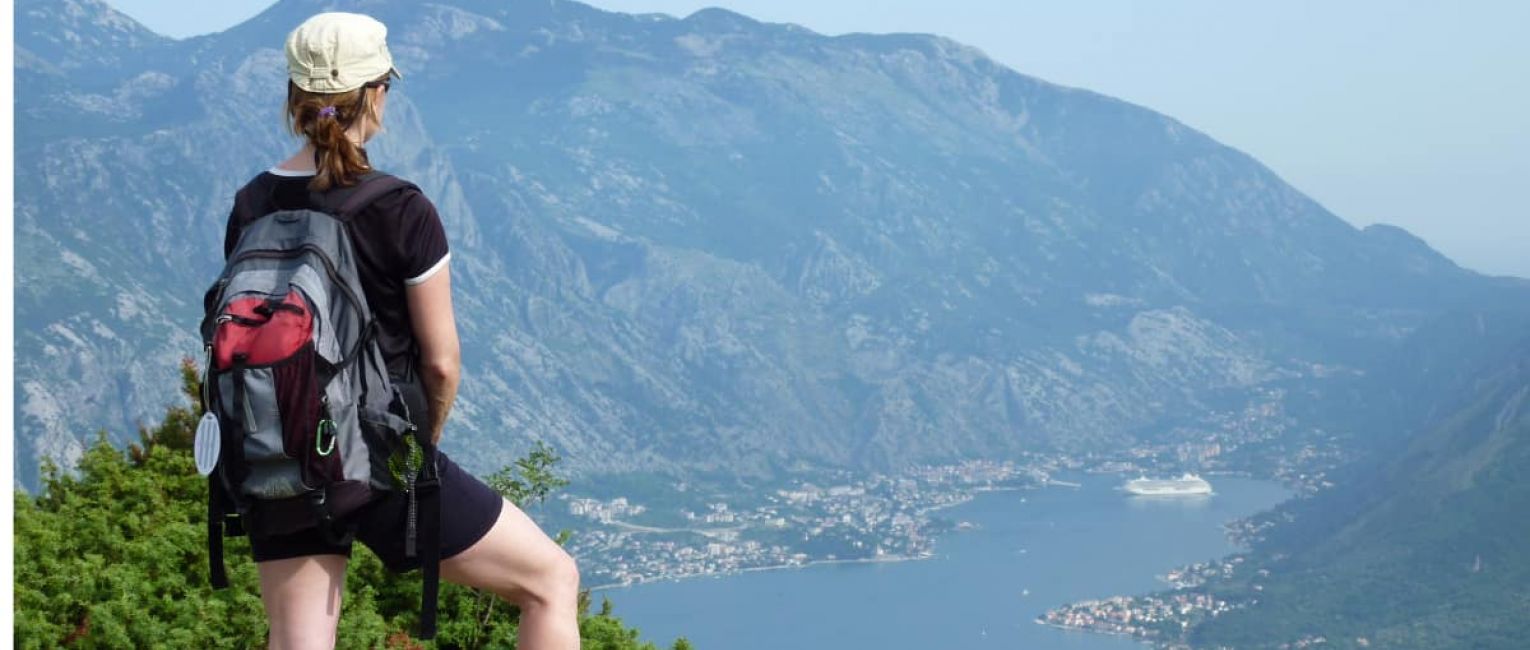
column 309, row 425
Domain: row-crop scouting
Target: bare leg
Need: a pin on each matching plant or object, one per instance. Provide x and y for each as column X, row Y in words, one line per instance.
column 302, row 598
column 521, row 564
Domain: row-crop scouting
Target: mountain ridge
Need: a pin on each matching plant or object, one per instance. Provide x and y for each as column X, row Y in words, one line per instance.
column 679, row 245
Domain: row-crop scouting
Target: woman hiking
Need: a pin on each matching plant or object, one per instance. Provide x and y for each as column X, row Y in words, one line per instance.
column 339, row 75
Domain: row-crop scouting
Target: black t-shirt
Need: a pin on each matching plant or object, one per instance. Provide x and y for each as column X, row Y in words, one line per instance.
column 398, row 239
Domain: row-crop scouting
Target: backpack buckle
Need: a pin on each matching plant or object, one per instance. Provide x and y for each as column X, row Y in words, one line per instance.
column 328, row 526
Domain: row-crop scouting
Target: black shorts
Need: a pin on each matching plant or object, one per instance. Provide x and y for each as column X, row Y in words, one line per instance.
column 468, row 510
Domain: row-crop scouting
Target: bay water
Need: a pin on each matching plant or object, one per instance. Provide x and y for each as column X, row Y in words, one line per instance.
column 1031, row 550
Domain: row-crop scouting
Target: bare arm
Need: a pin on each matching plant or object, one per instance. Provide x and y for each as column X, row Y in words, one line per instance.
column 435, row 328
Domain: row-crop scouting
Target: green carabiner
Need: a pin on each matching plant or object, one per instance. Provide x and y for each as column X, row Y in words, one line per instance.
column 318, row 437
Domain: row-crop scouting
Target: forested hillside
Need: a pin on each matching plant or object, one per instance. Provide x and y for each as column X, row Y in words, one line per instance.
column 115, row 556
column 1422, row 545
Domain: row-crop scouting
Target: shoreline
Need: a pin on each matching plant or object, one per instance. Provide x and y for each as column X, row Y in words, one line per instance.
column 1090, row 630
column 774, row 567
column 864, row 560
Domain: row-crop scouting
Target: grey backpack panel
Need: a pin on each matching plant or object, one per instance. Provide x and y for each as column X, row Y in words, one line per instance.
column 267, row 264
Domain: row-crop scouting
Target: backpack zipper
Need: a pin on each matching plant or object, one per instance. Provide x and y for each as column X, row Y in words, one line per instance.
column 283, row 253
column 329, row 269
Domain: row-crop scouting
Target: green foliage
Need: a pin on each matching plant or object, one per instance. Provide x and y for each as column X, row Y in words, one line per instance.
column 114, row 556
column 529, row 479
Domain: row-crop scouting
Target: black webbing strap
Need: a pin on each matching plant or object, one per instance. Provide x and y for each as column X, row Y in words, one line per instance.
column 429, row 489
column 217, row 573
column 345, row 202
column 422, row 526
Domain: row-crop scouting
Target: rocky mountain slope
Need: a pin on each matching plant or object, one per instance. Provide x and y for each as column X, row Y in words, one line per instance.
column 707, row 242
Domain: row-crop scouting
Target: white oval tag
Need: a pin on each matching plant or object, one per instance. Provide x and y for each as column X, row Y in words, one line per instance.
column 208, row 443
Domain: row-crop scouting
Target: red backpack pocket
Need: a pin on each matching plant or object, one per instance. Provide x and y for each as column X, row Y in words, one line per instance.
column 256, row 331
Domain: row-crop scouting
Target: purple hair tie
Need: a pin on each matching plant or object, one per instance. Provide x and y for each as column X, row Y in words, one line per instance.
column 327, row 111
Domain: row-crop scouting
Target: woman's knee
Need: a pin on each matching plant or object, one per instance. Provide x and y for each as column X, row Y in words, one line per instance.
column 519, row 562
column 557, row 583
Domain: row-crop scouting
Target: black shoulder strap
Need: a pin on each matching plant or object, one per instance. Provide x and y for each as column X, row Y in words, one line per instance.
column 345, row 202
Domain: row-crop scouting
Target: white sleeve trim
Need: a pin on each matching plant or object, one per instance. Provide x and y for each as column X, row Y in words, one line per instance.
column 430, row 271
column 290, row 173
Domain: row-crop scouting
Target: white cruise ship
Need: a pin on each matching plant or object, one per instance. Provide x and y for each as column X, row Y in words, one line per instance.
column 1187, row 485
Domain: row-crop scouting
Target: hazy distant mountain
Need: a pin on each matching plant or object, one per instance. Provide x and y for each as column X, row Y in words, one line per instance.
column 709, row 242
column 1425, row 548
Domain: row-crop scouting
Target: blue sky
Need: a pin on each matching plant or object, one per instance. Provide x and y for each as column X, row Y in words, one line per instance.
column 1410, row 113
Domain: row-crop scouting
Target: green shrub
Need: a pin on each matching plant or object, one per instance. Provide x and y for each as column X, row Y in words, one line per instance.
column 113, row 555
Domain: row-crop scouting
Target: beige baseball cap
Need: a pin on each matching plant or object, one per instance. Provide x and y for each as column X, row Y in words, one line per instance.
column 336, row 52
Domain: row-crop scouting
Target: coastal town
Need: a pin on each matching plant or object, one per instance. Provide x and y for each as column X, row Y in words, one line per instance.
column 1151, row 617
column 1162, row 618
column 876, row 518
